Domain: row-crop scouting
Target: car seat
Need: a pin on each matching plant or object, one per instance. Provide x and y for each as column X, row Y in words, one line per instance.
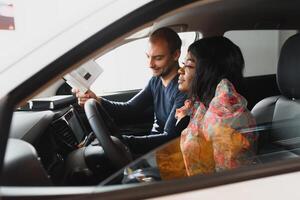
column 280, row 115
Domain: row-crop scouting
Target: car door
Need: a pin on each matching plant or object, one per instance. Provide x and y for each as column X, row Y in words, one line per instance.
column 109, row 34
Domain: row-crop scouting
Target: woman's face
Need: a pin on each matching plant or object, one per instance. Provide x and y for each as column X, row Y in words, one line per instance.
column 187, row 73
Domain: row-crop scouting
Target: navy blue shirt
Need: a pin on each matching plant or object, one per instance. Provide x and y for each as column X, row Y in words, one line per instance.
column 165, row 101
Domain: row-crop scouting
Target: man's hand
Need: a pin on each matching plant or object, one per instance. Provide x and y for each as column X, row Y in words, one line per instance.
column 82, row 98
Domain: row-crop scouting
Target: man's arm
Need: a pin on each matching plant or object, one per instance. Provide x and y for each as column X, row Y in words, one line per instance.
column 120, row 110
column 131, row 108
column 143, row 144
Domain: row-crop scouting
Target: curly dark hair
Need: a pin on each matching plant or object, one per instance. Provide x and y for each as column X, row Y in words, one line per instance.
column 216, row 58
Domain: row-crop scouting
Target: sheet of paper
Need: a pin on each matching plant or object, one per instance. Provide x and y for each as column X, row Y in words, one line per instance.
column 83, row 77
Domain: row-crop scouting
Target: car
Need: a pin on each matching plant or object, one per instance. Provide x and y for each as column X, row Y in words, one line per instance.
column 47, row 149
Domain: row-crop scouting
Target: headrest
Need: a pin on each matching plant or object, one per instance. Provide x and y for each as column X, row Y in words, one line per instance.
column 288, row 69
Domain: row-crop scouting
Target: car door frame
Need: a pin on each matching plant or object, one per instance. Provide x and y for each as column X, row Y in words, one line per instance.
column 133, row 20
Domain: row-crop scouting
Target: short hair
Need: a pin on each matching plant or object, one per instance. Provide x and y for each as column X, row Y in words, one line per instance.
column 169, row 35
column 216, row 58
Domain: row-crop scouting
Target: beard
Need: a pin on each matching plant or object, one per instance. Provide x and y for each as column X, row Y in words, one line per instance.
column 166, row 71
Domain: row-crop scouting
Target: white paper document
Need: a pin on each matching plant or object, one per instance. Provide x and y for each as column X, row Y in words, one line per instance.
column 83, row 77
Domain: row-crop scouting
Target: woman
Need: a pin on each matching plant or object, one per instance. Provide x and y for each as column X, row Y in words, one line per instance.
column 212, row 76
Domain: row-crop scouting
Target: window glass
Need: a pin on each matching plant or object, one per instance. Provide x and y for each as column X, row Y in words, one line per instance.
column 167, row 163
column 126, row 68
column 260, row 49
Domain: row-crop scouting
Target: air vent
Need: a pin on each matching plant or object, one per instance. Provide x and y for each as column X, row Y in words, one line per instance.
column 64, row 133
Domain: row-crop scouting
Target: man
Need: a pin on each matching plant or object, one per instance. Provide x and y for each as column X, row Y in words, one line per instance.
column 161, row 92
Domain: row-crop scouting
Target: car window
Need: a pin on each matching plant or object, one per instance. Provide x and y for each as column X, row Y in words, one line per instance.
column 260, row 49
column 166, row 162
column 273, row 136
column 129, row 62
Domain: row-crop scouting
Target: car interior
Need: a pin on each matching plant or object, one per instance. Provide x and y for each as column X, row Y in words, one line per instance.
column 56, row 146
column 283, row 108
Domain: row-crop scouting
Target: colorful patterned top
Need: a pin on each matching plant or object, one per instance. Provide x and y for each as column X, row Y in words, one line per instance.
column 212, row 141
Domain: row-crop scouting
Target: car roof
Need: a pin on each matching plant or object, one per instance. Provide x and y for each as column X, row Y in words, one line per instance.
column 219, row 16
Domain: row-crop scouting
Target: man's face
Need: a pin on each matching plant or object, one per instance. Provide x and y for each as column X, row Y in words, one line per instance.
column 160, row 59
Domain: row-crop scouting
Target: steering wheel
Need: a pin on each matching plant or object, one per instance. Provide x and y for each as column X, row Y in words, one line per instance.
column 114, row 149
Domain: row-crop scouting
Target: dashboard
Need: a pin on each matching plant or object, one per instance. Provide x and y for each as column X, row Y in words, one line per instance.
column 54, row 134
column 65, row 124
column 56, row 146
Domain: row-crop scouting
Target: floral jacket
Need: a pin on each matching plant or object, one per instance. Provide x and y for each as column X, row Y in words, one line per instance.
column 212, row 141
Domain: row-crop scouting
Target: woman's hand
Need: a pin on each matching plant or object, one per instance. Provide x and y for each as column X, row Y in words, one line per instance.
column 82, row 98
